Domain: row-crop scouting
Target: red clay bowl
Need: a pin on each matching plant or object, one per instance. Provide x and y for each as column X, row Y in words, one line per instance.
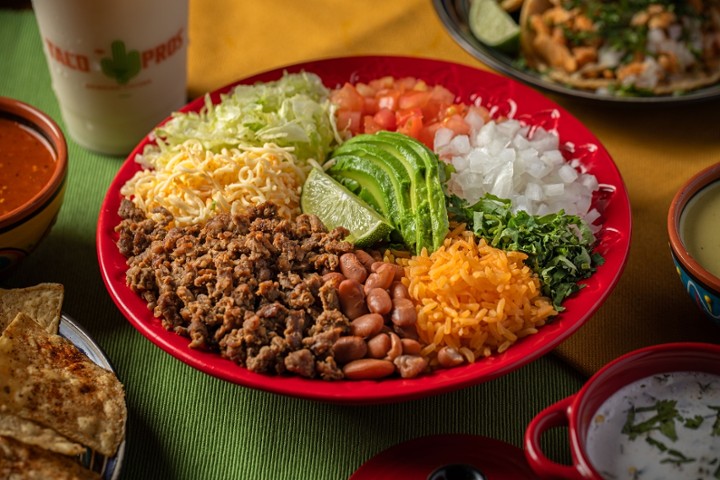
column 701, row 285
column 579, row 412
column 27, row 136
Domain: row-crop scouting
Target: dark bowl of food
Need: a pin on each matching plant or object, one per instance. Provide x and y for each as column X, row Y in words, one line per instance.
column 599, row 51
column 33, row 170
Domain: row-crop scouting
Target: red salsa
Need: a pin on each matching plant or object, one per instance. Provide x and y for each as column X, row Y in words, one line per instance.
column 27, row 163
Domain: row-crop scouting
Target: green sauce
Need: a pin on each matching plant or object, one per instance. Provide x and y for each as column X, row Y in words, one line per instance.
column 700, row 228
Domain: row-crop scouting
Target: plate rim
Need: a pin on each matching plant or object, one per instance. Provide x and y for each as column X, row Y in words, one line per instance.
column 460, row 33
column 352, row 392
column 69, row 325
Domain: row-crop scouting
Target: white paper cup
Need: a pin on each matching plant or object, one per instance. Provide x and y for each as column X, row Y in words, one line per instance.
column 117, row 67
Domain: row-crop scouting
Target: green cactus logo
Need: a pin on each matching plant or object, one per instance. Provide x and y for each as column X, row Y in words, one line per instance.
column 123, row 65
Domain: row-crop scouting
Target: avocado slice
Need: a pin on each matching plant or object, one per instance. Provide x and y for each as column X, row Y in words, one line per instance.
column 407, row 163
column 435, row 176
column 380, row 181
column 402, row 179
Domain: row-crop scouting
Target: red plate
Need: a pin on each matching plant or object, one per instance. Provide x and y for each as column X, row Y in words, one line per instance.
column 445, row 457
column 504, row 97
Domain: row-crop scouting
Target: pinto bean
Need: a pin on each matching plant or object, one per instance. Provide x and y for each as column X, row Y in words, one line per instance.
column 367, row 325
column 410, row 346
column 376, row 264
column 365, row 258
column 403, row 313
column 378, row 301
column 368, row 369
column 381, row 278
column 378, row 346
column 449, row 357
column 397, row 270
column 410, row 366
column 352, row 299
column 399, row 290
column 334, row 277
column 395, row 347
column 351, row 267
column 406, row 332
column 349, row 348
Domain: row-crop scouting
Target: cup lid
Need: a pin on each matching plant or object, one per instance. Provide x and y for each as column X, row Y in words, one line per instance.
column 448, row 457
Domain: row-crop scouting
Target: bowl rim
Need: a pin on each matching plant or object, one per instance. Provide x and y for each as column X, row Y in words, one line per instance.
column 42, row 123
column 687, row 192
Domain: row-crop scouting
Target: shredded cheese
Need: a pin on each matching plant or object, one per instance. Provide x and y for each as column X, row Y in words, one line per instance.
column 195, row 184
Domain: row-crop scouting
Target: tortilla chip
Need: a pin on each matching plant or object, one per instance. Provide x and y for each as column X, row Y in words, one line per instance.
column 46, row 379
column 19, row 461
column 42, row 302
column 29, row 432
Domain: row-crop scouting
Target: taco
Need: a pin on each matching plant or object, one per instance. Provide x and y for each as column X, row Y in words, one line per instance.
column 635, row 47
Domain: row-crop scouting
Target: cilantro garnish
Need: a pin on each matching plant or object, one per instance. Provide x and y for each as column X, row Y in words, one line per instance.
column 663, row 421
column 716, row 426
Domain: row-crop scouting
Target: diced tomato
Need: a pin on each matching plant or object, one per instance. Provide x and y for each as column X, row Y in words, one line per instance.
column 388, row 99
column 442, row 95
column 409, row 83
column 385, row 118
column 372, row 105
column 365, row 90
column 349, row 121
column 457, row 124
column 409, row 122
column 347, row 98
column 413, row 99
column 382, row 82
column 407, row 105
column 427, row 134
column 370, row 125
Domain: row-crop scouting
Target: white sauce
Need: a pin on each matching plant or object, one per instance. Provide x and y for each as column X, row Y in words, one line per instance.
column 616, row 456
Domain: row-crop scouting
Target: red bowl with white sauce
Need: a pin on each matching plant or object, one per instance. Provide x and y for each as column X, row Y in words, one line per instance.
column 504, row 97
column 33, row 170
column 610, row 420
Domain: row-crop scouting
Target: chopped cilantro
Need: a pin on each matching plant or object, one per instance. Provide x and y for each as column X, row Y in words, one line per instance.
column 663, row 421
column 693, row 423
column 716, row 425
column 676, row 458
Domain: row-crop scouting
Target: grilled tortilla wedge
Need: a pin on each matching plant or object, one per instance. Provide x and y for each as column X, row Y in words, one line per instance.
column 46, row 379
column 27, row 462
column 32, row 433
column 43, row 302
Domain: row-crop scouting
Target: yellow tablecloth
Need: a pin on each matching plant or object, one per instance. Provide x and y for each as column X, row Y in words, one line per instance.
column 655, row 148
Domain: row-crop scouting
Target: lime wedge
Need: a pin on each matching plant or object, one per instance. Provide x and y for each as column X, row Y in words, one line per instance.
column 493, row 26
column 336, row 206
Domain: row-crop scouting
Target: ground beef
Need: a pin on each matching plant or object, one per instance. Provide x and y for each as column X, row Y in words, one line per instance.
column 247, row 286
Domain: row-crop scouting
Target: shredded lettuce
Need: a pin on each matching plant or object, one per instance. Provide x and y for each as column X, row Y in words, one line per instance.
column 293, row 111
